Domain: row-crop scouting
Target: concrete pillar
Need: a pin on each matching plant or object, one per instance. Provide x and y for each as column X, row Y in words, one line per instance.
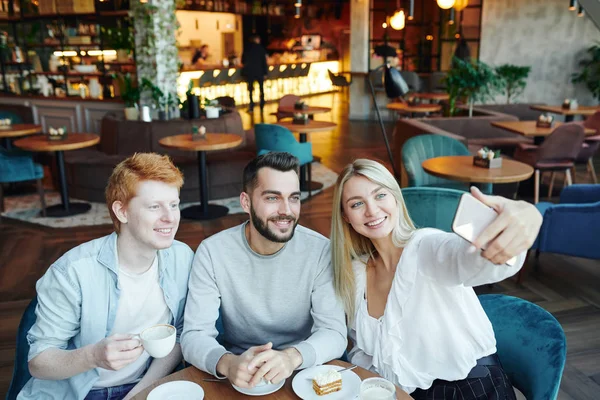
column 359, row 102
column 361, row 105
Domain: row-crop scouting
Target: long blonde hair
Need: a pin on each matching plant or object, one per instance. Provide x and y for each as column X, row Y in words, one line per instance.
column 346, row 243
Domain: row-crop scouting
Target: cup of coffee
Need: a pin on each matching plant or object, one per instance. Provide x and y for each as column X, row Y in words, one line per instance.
column 159, row 340
column 377, row 389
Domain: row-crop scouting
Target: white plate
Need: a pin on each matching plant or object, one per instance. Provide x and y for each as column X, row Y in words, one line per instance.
column 302, row 384
column 259, row 390
column 177, row 390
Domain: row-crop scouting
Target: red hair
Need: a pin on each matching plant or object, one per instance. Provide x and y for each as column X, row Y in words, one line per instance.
column 123, row 182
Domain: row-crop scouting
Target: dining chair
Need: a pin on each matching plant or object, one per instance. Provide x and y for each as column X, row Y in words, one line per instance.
column 286, row 101
column 432, row 207
column 530, row 343
column 18, row 166
column 590, row 146
column 271, row 137
column 21, row 373
column 338, row 81
column 412, row 80
column 556, row 153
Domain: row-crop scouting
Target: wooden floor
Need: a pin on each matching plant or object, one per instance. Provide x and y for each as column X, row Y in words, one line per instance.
column 567, row 287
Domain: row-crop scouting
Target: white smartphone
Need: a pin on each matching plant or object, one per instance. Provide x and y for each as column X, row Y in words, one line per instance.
column 472, row 217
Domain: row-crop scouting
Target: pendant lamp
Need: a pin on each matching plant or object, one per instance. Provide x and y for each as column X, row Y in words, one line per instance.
column 460, row 5
column 445, row 4
column 397, row 21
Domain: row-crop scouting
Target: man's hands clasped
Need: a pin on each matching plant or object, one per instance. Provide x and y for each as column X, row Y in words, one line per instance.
column 259, row 362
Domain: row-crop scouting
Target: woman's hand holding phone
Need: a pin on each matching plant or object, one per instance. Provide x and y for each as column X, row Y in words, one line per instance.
column 512, row 232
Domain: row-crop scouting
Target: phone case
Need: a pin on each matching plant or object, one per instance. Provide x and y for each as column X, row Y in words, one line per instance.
column 481, row 217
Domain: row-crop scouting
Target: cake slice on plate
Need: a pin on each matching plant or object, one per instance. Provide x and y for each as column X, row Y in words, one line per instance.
column 328, row 382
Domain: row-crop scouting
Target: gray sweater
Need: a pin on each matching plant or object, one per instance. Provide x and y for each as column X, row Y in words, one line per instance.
column 286, row 298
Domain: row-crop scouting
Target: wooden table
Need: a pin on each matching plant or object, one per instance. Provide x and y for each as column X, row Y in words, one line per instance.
column 212, row 142
column 312, row 127
column 73, row 141
column 224, row 390
column 569, row 114
column 309, row 111
column 461, row 168
column 18, row 130
column 529, row 129
column 412, row 109
column 435, row 96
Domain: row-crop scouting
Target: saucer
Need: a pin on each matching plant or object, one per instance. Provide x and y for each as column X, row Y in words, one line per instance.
column 260, row 390
column 177, row 390
column 302, row 384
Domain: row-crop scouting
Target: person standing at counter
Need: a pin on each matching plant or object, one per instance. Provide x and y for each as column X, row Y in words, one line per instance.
column 201, row 55
column 255, row 68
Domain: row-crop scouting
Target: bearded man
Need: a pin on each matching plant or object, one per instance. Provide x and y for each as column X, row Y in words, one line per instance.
column 271, row 282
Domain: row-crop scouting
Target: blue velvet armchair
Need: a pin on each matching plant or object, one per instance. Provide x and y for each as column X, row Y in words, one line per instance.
column 420, row 148
column 21, row 368
column 277, row 138
column 423, row 147
column 432, row 207
column 14, row 118
column 571, row 227
column 530, row 342
column 18, row 166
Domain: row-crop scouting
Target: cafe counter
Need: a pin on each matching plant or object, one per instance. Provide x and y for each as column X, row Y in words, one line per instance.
column 300, row 78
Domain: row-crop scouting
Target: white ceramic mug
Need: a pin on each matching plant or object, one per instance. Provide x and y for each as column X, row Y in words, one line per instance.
column 377, row 389
column 159, row 340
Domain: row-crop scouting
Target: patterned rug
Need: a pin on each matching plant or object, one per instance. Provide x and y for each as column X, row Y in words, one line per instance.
column 27, row 207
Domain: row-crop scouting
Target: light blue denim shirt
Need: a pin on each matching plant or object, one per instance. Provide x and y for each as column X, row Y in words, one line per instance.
column 77, row 304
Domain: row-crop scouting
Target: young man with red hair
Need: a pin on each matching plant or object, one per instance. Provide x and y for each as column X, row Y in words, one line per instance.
column 94, row 299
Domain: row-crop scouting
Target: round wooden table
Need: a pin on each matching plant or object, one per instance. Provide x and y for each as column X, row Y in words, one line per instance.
column 73, row 141
column 211, row 142
column 309, row 111
column 312, row 127
column 223, row 390
column 412, row 109
column 18, row 130
column 461, row 168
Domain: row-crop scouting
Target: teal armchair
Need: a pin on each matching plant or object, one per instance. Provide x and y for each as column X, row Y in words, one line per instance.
column 277, row 138
column 423, row 147
column 14, row 118
column 18, row 166
column 432, row 207
column 530, row 342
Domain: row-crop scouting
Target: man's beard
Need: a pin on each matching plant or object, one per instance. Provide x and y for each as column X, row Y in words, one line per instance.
column 263, row 227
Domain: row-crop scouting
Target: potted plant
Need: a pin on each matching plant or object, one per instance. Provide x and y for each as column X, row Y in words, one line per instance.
column 473, row 81
column 130, row 94
column 119, row 38
column 590, row 73
column 512, row 80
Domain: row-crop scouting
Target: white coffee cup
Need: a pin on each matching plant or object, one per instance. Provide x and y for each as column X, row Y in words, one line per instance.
column 377, row 389
column 159, row 340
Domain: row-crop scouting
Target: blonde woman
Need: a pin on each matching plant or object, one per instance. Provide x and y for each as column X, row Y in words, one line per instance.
column 413, row 315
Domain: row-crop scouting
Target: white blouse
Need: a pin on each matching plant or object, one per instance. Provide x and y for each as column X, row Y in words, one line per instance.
column 433, row 326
